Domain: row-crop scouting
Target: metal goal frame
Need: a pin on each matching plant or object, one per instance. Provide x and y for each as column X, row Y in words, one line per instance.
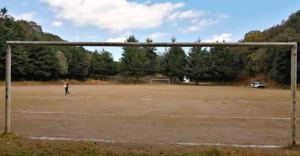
column 292, row 45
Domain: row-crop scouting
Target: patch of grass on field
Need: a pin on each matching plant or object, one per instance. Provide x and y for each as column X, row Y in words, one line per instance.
column 12, row 145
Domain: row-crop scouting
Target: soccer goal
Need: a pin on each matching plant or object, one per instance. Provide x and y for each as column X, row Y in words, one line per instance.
column 291, row 45
column 160, row 81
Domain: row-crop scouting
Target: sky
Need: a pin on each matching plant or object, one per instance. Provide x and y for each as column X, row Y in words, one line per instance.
column 115, row 20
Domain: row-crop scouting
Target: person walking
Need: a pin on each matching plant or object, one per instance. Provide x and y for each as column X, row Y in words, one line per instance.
column 66, row 86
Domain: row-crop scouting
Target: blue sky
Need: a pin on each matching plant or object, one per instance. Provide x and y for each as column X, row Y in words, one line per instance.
column 114, row 20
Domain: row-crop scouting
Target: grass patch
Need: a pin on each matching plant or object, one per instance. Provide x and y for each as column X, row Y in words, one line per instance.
column 12, row 145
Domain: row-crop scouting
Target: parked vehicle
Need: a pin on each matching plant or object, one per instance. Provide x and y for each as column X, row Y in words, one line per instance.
column 186, row 80
column 257, row 84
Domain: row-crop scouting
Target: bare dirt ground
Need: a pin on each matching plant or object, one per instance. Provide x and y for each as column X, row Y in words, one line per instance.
column 161, row 114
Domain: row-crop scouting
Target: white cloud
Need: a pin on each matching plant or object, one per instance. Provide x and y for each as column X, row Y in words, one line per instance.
column 77, row 38
column 198, row 24
column 23, row 3
column 117, row 15
column 117, row 39
column 186, row 14
column 57, row 23
column 25, row 16
column 227, row 37
column 223, row 16
column 91, row 36
column 157, row 35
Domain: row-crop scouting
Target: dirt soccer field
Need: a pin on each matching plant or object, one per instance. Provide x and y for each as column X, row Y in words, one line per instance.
column 161, row 114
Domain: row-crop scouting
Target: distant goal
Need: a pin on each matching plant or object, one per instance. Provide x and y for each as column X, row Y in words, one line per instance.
column 160, row 81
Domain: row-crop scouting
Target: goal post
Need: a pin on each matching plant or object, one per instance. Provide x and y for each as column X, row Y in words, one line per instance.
column 292, row 45
column 168, row 81
column 293, row 93
column 7, row 90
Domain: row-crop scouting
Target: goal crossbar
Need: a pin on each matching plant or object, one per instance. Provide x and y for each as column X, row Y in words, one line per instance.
column 151, row 44
column 292, row 45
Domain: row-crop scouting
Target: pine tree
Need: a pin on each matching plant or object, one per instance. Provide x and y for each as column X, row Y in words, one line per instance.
column 79, row 64
column 42, row 64
column 225, row 65
column 198, row 64
column 151, row 55
column 102, row 63
column 175, row 63
column 134, row 61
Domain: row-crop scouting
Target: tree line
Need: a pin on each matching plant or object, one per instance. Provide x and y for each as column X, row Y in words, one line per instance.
column 198, row 63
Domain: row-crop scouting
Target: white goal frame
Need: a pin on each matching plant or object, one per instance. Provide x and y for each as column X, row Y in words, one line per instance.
column 292, row 45
column 168, row 81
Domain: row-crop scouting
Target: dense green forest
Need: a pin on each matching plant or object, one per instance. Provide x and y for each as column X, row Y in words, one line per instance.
column 198, row 64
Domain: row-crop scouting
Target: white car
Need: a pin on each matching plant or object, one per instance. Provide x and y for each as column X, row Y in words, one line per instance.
column 186, row 80
column 257, row 85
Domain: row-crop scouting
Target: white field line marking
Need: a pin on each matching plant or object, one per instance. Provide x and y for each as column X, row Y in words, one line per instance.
column 197, row 116
column 70, row 139
column 232, row 145
column 66, row 113
column 178, row 143
column 244, row 117
column 145, row 99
